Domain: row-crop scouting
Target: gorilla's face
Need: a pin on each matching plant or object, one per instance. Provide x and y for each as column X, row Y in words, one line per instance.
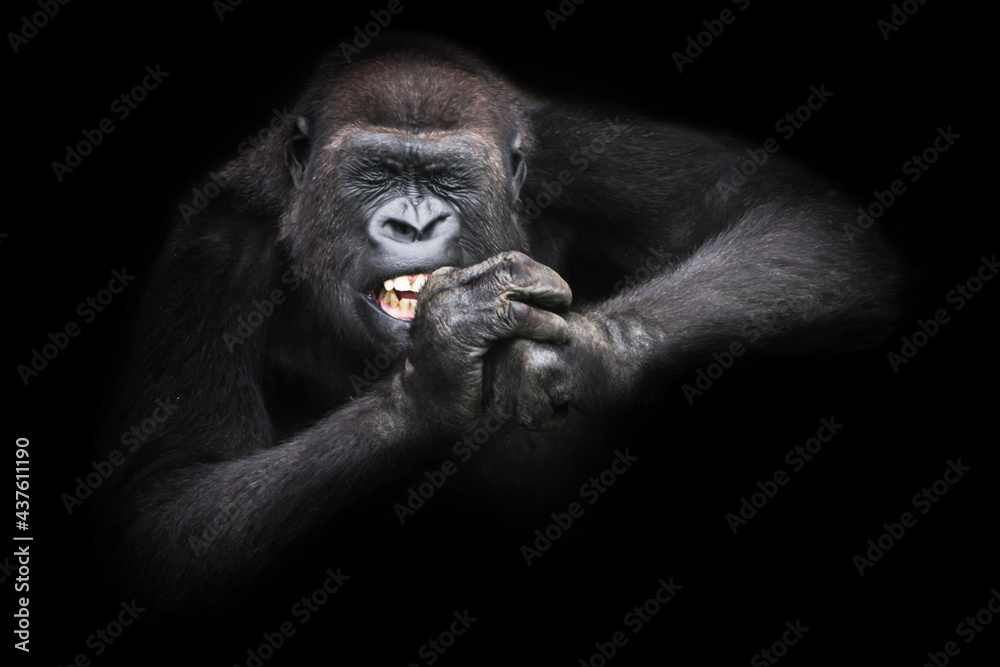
column 377, row 210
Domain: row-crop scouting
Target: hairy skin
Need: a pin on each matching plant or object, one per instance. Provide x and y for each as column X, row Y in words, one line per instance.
column 520, row 315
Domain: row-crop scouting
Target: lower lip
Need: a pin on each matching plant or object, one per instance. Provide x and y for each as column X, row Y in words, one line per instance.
column 372, row 300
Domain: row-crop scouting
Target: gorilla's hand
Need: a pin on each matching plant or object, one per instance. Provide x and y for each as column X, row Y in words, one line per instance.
column 460, row 315
column 537, row 382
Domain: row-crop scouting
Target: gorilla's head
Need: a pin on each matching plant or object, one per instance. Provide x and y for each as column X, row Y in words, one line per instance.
column 406, row 161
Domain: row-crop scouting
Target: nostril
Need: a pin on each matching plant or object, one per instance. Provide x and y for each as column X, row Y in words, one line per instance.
column 432, row 228
column 399, row 230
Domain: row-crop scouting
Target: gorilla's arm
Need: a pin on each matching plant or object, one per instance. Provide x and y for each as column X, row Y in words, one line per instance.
column 215, row 460
column 774, row 250
column 218, row 459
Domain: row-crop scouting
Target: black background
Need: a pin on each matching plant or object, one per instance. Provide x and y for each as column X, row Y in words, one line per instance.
column 794, row 559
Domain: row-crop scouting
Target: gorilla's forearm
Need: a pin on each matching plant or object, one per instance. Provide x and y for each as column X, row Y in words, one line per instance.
column 771, row 275
column 215, row 527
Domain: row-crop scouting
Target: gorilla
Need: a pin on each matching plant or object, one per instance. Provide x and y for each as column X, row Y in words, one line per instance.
column 415, row 316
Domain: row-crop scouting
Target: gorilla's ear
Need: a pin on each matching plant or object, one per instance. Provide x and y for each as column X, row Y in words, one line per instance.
column 297, row 151
column 518, row 165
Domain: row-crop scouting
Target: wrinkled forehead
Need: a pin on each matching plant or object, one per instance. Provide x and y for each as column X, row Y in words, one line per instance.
column 428, row 148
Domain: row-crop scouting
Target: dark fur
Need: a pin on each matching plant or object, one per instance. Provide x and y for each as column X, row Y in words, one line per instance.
column 274, row 431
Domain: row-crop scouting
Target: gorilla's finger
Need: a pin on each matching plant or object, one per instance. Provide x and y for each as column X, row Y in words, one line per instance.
column 538, row 284
column 510, row 275
column 525, row 321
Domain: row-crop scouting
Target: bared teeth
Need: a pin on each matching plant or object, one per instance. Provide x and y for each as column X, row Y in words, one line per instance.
column 390, row 293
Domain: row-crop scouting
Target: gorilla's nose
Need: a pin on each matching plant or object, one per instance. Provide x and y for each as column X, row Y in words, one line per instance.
column 403, row 221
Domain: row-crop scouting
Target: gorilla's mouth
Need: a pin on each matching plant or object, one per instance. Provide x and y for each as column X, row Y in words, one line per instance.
column 397, row 297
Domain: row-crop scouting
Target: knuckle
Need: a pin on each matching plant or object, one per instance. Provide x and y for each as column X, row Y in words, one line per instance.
column 514, row 268
column 443, row 272
column 514, row 256
column 513, row 313
column 439, row 280
column 519, row 274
